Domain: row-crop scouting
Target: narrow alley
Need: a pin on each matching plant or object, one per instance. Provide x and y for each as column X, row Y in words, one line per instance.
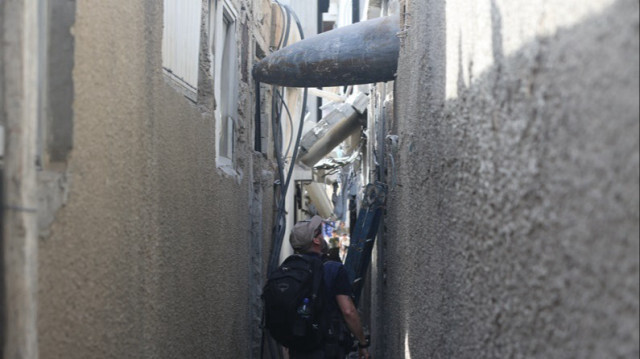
column 475, row 164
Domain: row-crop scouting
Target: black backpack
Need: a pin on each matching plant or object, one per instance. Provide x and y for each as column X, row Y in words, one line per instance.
column 299, row 277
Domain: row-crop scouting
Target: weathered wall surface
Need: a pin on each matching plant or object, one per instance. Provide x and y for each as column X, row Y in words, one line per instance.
column 151, row 255
column 513, row 230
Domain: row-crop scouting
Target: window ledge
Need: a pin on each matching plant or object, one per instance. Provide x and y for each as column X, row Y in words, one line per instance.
column 227, row 170
column 182, row 87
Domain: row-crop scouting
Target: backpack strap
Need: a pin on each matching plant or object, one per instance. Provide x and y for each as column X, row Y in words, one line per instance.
column 317, row 276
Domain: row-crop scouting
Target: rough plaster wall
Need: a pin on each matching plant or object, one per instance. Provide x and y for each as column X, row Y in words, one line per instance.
column 513, row 231
column 150, row 256
column 2, row 115
column 3, row 124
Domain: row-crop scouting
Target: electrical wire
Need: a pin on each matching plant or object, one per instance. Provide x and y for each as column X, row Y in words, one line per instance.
column 279, row 227
column 274, row 349
column 290, row 123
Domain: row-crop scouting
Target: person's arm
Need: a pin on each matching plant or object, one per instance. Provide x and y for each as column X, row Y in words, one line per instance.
column 352, row 319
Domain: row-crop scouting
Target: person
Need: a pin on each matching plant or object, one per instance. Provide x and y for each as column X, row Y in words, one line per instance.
column 344, row 246
column 342, row 229
column 334, row 240
column 307, row 238
column 333, row 254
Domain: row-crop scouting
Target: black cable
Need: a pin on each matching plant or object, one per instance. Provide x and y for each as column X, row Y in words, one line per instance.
column 257, row 140
column 280, row 225
column 277, row 132
column 282, row 9
column 280, row 218
column 295, row 16
column 290, row 122
column 273, row 348
column 277, row 138
column 284, row 41
column 287, row 26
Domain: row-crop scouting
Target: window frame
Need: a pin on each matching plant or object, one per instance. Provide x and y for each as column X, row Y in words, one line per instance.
column 224, row 53
column 181, row 68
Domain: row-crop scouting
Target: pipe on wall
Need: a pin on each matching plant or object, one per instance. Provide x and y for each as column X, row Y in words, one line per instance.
column 20, row 64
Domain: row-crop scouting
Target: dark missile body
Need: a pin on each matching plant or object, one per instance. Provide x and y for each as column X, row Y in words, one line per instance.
column 365, row 52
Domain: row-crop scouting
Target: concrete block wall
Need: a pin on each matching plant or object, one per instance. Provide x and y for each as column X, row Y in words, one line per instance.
column 513, row 229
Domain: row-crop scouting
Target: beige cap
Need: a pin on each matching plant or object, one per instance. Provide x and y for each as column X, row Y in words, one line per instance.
column 302, row 233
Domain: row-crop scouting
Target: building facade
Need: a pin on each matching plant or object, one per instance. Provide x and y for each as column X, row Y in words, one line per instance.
column 153, row 206
column 513, row 228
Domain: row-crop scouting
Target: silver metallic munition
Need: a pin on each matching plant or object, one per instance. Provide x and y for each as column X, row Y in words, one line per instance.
column 365, row 52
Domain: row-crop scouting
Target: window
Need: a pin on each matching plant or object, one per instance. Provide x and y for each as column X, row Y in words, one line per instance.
column 181, row 44
column 225, row 79
column 56, row 90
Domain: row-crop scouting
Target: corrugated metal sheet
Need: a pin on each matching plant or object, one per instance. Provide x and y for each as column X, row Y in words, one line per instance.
column 181, row 39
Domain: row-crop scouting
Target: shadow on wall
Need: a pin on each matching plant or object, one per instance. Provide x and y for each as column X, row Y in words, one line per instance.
column 519, row 180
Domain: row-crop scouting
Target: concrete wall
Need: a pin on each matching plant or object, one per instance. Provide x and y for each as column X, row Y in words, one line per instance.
column 156, row 253
column 513, row 229
column 59, row 108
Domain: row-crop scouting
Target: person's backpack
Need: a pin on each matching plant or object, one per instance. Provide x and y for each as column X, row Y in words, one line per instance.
column 293, row 303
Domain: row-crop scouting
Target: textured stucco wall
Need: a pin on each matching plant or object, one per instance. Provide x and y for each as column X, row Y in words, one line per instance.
column 513, row 230
column 150, row 256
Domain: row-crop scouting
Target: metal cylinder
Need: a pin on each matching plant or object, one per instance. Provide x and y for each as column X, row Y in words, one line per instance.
column 361, row 53
column 320, row 199
column 324, row 144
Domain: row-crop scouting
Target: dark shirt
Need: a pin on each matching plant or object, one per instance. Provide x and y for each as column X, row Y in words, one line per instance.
column 336, row 282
